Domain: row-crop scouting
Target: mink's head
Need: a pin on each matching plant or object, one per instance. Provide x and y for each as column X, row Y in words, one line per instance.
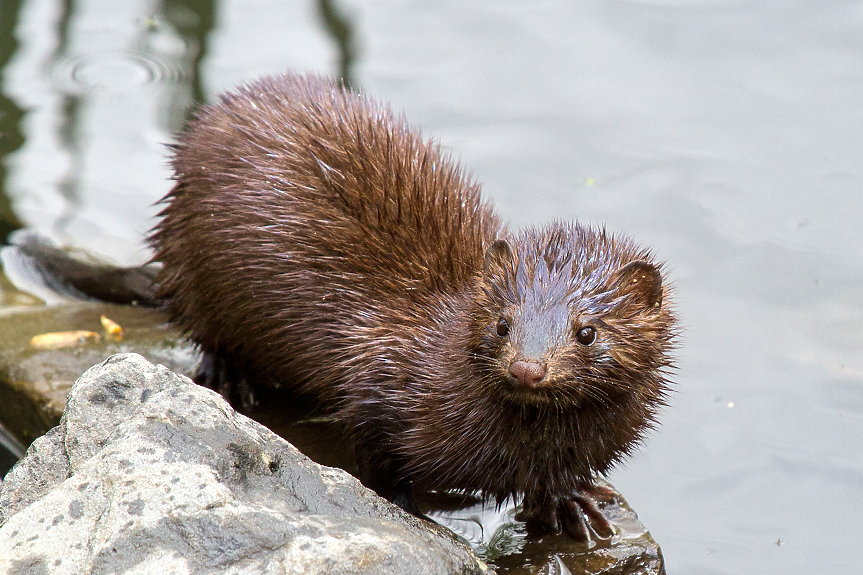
column 573, row 317
column 560, row 366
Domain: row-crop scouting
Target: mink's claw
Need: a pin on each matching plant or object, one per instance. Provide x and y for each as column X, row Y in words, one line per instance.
column 581, row 516
column 576, row 513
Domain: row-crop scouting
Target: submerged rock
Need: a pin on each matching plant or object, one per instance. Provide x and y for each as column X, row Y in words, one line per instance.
column 148, row 472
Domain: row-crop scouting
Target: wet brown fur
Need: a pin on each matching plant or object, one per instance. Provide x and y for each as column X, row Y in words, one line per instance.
column 314, row 240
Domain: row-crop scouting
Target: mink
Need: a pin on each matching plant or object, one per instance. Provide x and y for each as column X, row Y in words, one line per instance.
column 314, row 240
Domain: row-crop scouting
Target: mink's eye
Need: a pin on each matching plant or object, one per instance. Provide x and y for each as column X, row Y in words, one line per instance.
column 502, row 327
column 586, row 335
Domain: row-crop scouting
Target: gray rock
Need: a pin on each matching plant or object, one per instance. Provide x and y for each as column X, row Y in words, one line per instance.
column 150, row 473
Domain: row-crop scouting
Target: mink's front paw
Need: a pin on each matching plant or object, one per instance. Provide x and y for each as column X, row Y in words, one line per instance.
column 575, row 513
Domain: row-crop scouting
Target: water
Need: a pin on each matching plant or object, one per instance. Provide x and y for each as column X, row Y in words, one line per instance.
column 726, row 134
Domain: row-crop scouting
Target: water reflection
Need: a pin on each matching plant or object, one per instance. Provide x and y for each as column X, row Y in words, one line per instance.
column 11, row 137
column 105, row 92
column 341, row 30
column 102, row 100
column 193, row 20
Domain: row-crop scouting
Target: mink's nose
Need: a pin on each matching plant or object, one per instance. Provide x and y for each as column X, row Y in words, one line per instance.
column 527, row 373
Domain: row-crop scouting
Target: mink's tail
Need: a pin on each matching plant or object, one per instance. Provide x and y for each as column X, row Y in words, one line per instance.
column 36, row 265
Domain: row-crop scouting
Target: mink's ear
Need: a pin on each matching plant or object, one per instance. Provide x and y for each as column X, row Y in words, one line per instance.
column 498, row 257
column 642, row 281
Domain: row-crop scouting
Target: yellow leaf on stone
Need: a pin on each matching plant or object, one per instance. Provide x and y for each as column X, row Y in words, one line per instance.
column 110, row 326
column 59, row 339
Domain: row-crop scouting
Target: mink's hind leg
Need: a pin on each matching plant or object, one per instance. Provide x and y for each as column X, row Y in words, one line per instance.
column 220, row 374
column 382, row 474
column 575, row 513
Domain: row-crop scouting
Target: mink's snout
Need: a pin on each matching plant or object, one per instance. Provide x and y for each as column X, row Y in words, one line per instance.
column 527, row 373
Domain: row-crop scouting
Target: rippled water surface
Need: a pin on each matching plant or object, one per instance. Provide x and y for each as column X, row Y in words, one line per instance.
column 727, row 135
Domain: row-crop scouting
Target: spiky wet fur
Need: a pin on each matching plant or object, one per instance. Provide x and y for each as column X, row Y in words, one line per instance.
column 314, row 240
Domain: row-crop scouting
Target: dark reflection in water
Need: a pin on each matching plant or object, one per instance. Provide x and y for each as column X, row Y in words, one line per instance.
column 340, row 28
column 69, row 133
column 69, row 129
column 194, row 21
column 11, row 137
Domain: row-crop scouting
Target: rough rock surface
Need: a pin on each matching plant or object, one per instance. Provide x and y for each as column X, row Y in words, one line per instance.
column 149, row 473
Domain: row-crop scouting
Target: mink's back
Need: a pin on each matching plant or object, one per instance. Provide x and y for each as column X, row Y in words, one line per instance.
column 307, row 219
